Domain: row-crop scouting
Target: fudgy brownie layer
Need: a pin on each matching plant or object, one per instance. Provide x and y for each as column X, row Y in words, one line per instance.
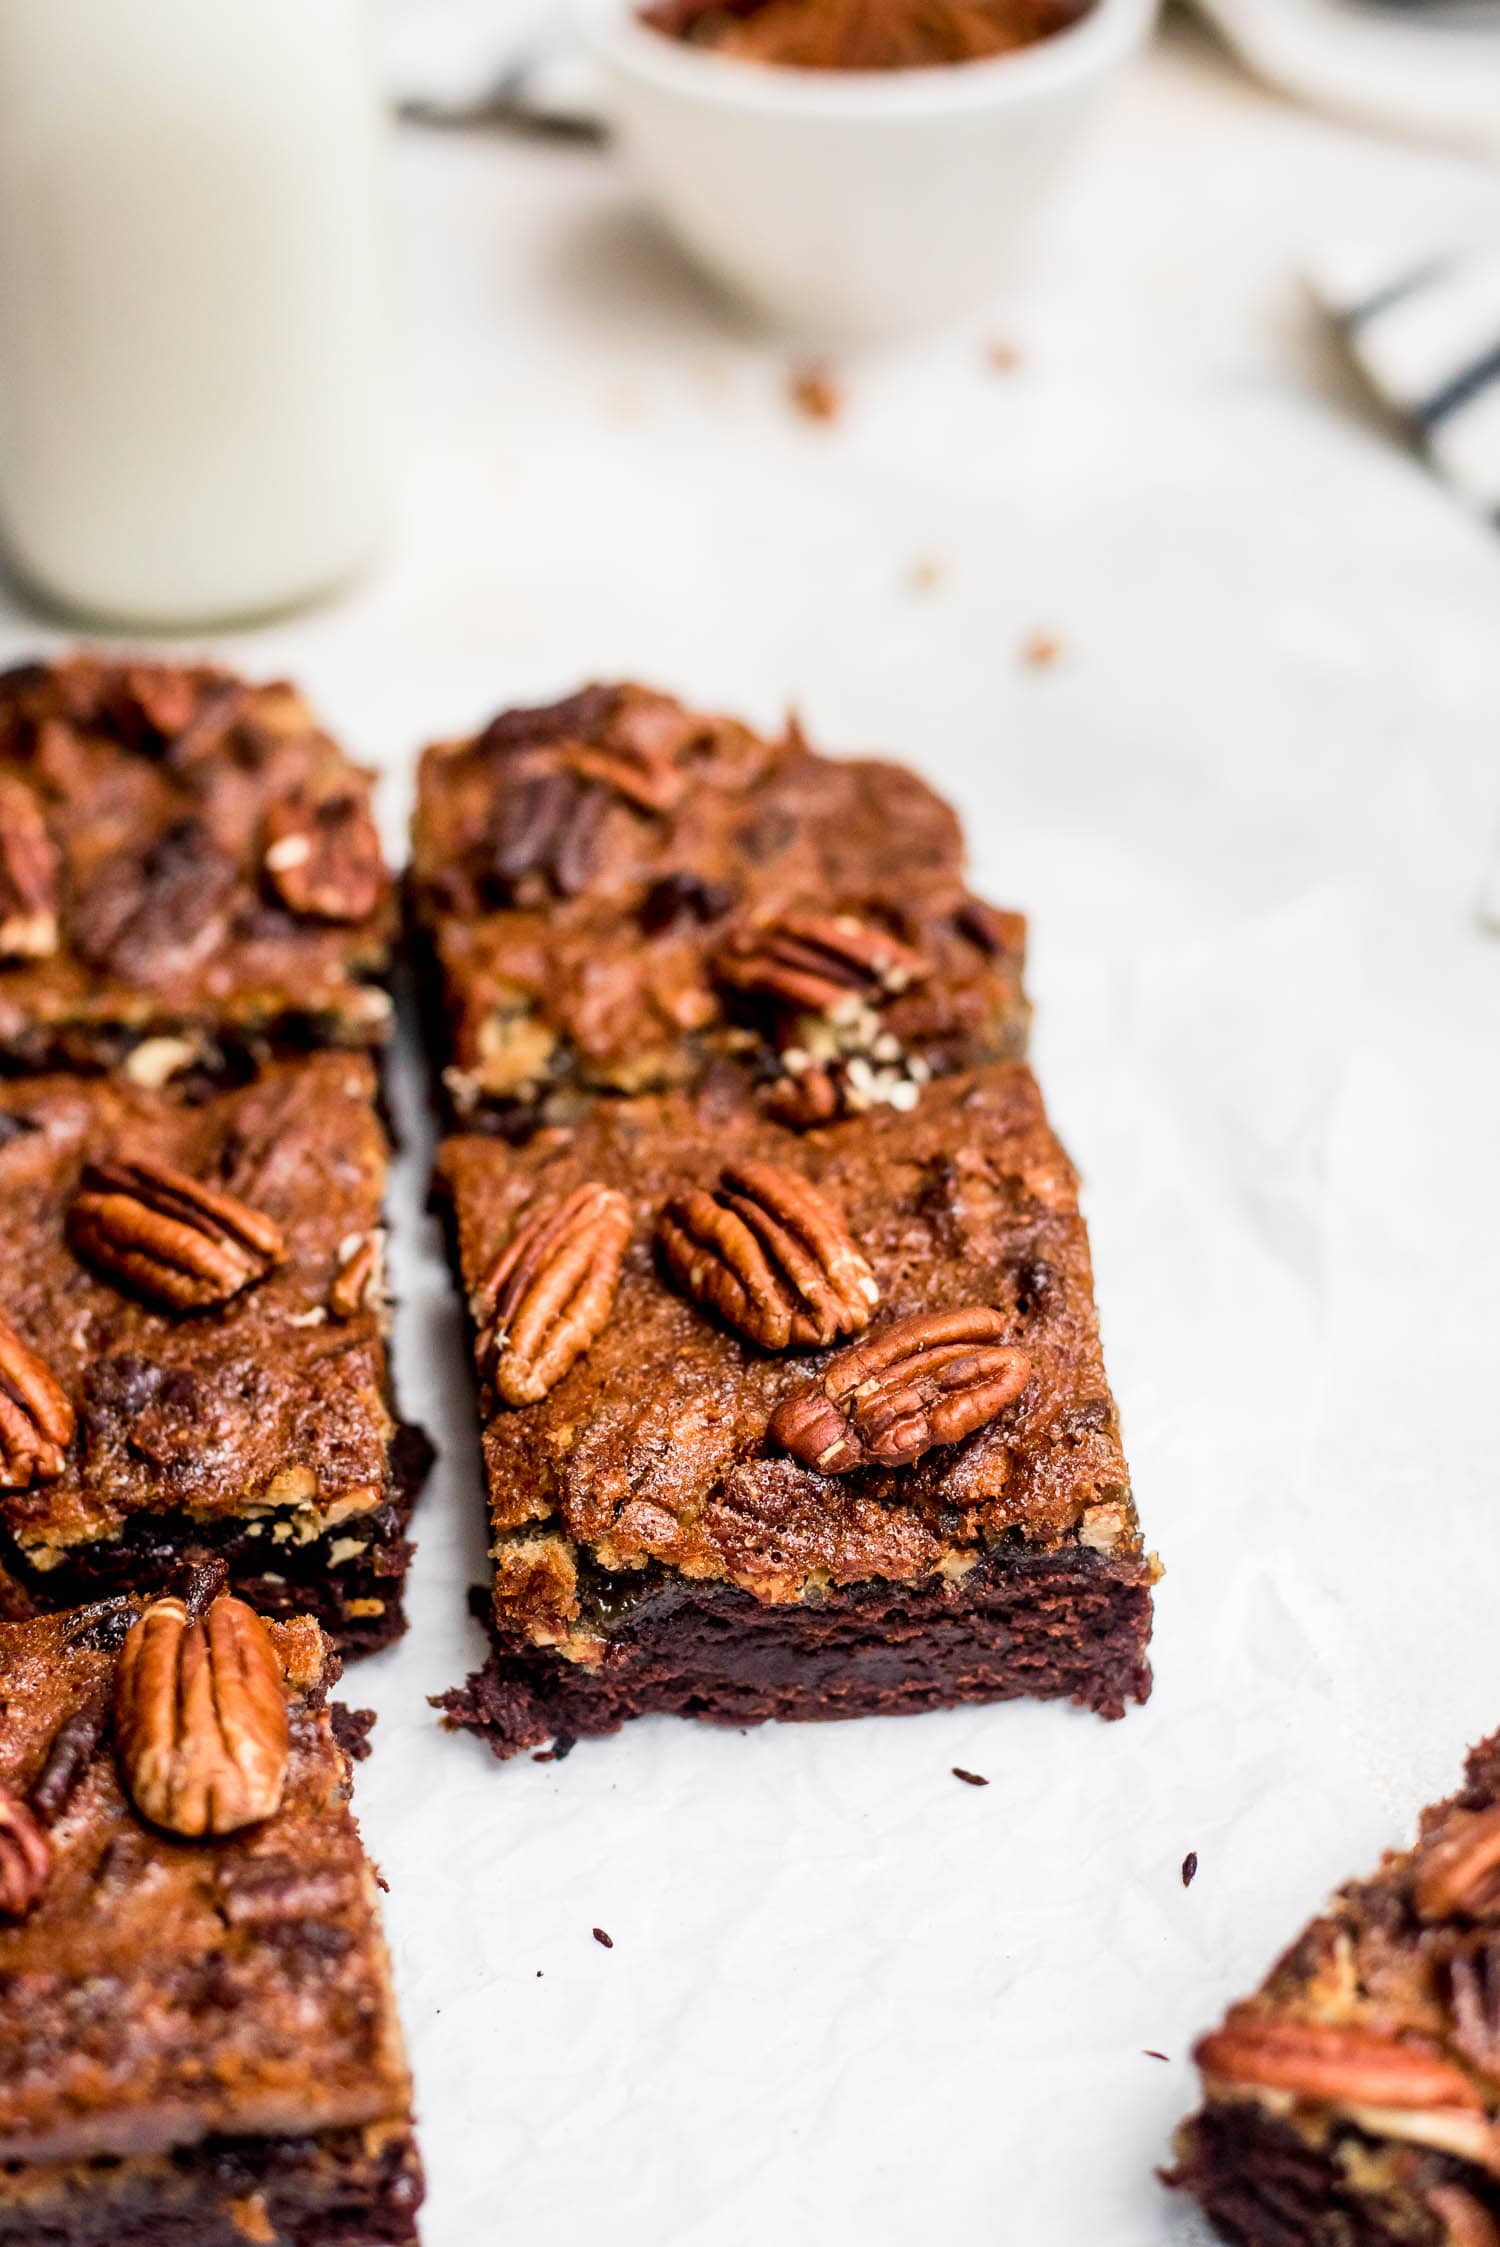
column 1061, row 1626
column 346, row 2188
column 1264, row 2185
column 189, row 870
column 617, row 895
column 357, row 1601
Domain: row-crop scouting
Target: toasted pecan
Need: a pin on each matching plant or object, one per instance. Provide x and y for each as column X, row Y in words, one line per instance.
column 818, row 963
column 549, row 1293
column 37, row 1422
column 201, row 1718
column 929, row 1379
column 1333, row 2064
column 25, row 1857
column 28, row 875
column 771, row 1254
column 324, row 860
column 169, row 1237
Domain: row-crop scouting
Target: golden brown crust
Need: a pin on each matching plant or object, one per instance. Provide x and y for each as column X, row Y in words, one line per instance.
column 153, row 793
column 164, row 1990
column 594, row 933
column 261, row 1403
column 652, row 1450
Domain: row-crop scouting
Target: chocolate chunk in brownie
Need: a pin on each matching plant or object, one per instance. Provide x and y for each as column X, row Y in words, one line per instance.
column 618, row 896
column 793, row 1424
column 198, row 2036
column 193, row 1356
column 1354, row 2101
column 189, row 873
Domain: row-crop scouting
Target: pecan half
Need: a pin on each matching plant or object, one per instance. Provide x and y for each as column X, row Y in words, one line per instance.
column 37, row 1422
column 1473, row 1969
column 771, row 1254
column 929, row 1379
column 1320, row 2061
column 545, row 828
column 644, row 777
column 1458, row 1876
column 28, row 875
column 550, row 1292
column 200, row 1718
column 1467, row 2222
column 72, row 1749
column 324, row 860
column 168, row 1237
column 150, row 918
column 359, row 1283
column 25, row 1857
column 818, row 963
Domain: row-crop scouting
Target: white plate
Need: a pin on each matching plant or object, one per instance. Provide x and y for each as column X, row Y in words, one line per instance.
column 1433, row 71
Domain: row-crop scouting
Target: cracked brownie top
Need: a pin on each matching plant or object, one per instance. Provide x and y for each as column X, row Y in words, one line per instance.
column 188, row 864
column 785, row 1360
column 622, row 895
column 188, row 1936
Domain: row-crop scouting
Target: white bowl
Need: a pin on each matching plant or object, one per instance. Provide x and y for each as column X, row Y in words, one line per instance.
column 846, row 205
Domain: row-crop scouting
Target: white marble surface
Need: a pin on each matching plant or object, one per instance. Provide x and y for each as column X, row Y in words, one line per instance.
column 1249, row 809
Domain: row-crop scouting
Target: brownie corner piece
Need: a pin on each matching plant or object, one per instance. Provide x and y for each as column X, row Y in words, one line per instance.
column 193, row 1355
column 618, row 896
column 821, row 1429
column 1355, row 2098
column 198, row 2033
column 190, row 874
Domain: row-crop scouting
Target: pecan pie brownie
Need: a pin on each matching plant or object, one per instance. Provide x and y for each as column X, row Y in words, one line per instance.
column 617, row 895
column 1355, row 2100
column 192, row 1344
column 793, row 1424
column 189, row 873
column 198, row 2037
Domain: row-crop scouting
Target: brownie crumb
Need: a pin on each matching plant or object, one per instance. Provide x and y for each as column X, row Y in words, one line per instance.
column 969, row 1778
column 1189, row 1867
column 607, row 1940
column 1040, row 651
column 816, row 393
column 351, row 1729
column 1153, row 2056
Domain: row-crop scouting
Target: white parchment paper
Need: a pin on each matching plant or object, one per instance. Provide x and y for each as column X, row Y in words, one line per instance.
column 1248, row 807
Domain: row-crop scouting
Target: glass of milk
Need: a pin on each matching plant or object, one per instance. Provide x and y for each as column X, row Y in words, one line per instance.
column 195, row 343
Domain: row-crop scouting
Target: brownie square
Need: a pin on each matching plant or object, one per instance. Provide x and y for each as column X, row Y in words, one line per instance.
column 193, row 1353
column 198, row 2036
column 1354, row 2101
column 189, row 873
column 618, row 896
column 704, row 1502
